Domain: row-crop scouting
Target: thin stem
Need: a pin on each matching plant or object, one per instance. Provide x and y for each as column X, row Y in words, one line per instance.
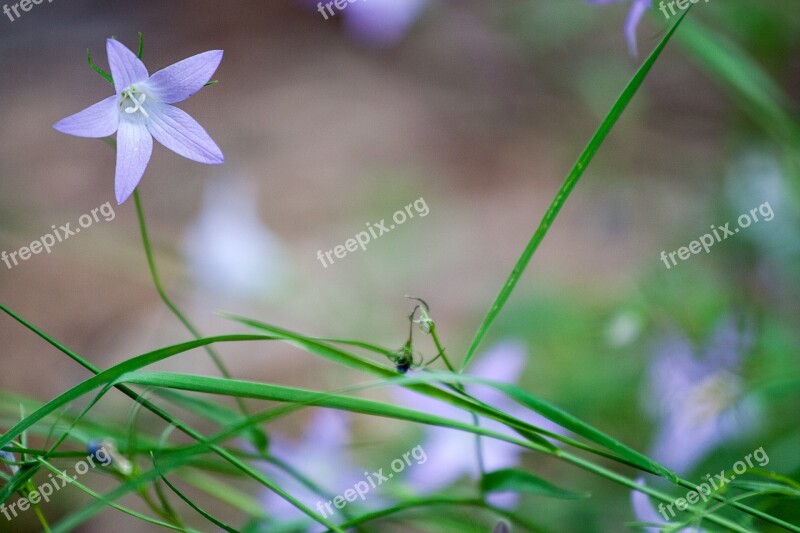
column 41, row 517
column 475, row 421
column 460, row 388
column 151, row 263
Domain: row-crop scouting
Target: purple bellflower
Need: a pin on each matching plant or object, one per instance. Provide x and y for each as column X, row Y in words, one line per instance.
column 697, row 401
column 697, row 404
column 454, row 451
column 637, row 11
column 383, row 22
column 379, row 23
column 141, row 109
column 321, row 455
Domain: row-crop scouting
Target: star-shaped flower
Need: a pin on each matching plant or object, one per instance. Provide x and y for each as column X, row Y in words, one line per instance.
column 638, row 8
column 141, row 109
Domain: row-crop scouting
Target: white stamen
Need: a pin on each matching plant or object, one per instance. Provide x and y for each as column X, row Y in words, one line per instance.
column 137, row 103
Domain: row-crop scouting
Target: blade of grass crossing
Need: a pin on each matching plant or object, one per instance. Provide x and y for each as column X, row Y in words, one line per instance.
column 566, row 188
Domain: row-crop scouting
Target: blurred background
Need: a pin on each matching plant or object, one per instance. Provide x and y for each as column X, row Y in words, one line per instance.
column 480, row 108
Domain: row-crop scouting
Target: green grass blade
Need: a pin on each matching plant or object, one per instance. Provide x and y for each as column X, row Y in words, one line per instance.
column 106, row 502
column 566, row 188
column 191, row 504
column 332, row 353
column 761, row 98
column 111, row 374
column 292, row 395
column 515, row 480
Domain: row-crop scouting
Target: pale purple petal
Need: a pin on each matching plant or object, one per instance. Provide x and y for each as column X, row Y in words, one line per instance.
column 697, row 400
column 643, row 509
column 638, row 9
column 126, row 68
column 321, row 455
column 179, row 132
column 178, row 82
column 98, row 120
column 452, row 452
column 503, row 362
column 382, row 22
column 134, row 148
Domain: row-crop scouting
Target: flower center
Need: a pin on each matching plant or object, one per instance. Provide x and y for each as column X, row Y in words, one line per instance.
column 133, row 100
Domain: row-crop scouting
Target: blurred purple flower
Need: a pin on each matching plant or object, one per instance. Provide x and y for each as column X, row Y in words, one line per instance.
column 141, row 110
column 645, row 511
column 637, row 10
column 320, row 455
column 9, row 459
column 696, row 401
column 382, row 22
column 375, row 22
column 452, row 452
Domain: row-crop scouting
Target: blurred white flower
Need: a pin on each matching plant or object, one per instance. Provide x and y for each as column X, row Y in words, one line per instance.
column 229, row 249
column 623, row 329
column 757, row 177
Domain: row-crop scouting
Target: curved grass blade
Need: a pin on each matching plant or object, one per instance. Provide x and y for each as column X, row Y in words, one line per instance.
column 135, row 363
column 761, row 98
column 107, row 502
column 190, row 503
column 339, row 356
column 291, row 395
column 515, row 480
column 111, row 374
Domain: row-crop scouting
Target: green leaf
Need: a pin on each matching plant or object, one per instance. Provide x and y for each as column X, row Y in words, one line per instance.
column 317, row 347
column 103, row 74
column 761, row 98
column 191, row 504
column 566, row 189
column 303, row 397
column 514, row 480
column 135, row 363
column 111, row 374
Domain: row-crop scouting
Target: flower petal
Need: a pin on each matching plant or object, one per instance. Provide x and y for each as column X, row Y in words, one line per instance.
column 179, row 132
column 98, row 120
column 134, row 148
column 635, row 15
column 178, row 82
column 126, row 68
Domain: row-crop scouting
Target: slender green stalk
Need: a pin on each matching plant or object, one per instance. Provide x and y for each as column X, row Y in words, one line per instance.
column 475, row 420
column 566, row 189
column 151, row 264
